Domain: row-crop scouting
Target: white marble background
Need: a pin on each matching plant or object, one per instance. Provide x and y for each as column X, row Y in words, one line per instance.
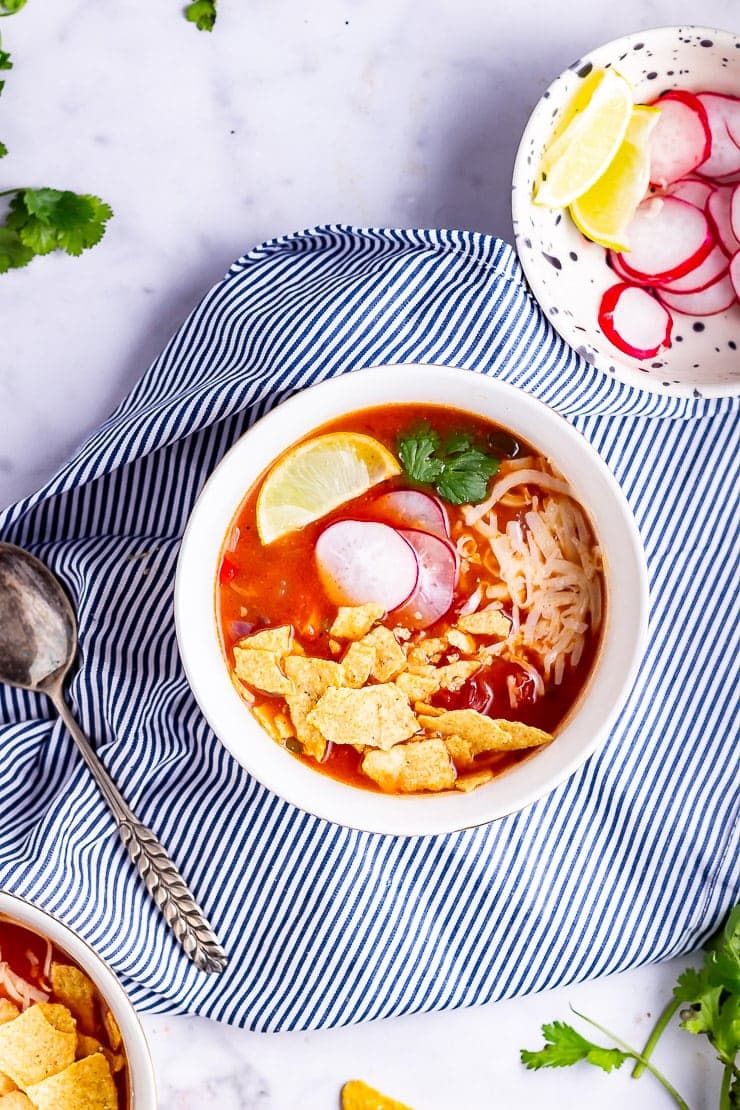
column 394, row 112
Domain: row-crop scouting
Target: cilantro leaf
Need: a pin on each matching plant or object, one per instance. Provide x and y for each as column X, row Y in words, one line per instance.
column 10, row 7
column 5, row 62
column 3, row 150
column 416, row 451
column 44, row 220
column 202, row 13
column 564, row 1046
column 13, row 251
column 457, row 468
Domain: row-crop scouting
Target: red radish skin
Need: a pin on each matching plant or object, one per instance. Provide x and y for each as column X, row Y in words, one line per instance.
column 735, row 212
column 667, row 238
column 717, row 297
column 619, row 270
column 692, row 191
column 362, row 561
column 408, row 508
column 719, row 210
column 634, row 321
column 435, row 587
column 681, row 139
column 735, row 274
column 722, row 114
column 713, row 267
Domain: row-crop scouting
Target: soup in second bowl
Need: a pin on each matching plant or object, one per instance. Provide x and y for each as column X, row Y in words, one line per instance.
column 411, row 599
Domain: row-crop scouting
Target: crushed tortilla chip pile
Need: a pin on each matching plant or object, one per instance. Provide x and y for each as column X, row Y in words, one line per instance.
column 357, row 1095
column 375, row 696
column 50, row 1058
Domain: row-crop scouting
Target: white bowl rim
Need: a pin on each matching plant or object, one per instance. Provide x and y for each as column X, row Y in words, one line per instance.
column 141, row 1069
column 624, row 371
column 199, row 643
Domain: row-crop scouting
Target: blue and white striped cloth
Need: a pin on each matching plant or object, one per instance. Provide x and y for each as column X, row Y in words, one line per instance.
column 633, row 859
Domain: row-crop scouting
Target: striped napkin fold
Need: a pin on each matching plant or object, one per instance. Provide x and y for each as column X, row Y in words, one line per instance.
column 633, row 859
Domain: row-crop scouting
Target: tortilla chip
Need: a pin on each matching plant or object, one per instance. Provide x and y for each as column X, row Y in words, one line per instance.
column 428, row 650
column 16, row 1100
column 356, row 1095
column 353, row 622
column 374, row 716
column 484, row 733
column 487, row 622
column 85, row 1085
column 358, row 663
column 466, row 783
column 260, row 669
column 32, row 1047
column 454, row 675
column 310, row 679
column 418, row 687
column 115, row 1040
column 116, row 1061
column 87, row 1045
column 430, row 710
column 461, row 640
column 6, row 1084
column 73, row 988
column 463, row 752
column 8, row 1010
column 389, row 658
column 420, row 765
column 278, row 640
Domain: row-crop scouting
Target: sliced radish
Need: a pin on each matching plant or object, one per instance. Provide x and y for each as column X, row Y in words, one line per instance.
column 692, row 191
column 719, row 210
column 410, row 508
column 435, row 586
column 723, row 114
column 632, row 319
column 735, row 274
column 713, row 267
column 735, row 212
column 667, row 238
column 360, row 561
column 717, row 297
column 681, row 140
column 614, row 261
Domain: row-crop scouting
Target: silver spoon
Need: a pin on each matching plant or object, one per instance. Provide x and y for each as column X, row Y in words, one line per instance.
column 38, row 643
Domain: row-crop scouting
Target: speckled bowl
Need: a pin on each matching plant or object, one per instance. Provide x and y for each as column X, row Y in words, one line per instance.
column 568, row 274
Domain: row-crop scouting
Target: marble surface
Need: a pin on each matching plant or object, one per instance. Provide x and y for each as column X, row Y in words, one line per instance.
column 391, row 112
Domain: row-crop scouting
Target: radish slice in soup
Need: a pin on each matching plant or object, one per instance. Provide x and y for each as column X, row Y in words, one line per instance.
column 667, row 238
column 632, row 319
column 681, row 140
column 735, row 212
column 409, row 508
column 717, row 297
column 723, row 114
column 719, row 210
column 713, row 267
column 614, row 261
column 436, row 583
column 361, row 561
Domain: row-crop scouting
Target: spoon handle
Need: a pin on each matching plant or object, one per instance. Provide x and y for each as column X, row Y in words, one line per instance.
column 162, row 879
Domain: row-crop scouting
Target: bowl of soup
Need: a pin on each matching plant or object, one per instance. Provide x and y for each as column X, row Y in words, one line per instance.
column 69, row 1036
column 411, row 599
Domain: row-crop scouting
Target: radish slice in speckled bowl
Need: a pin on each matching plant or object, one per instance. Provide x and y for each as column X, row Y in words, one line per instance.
column 569, row 275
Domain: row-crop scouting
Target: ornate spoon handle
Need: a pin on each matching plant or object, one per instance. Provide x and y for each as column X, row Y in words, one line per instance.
column 164, row 882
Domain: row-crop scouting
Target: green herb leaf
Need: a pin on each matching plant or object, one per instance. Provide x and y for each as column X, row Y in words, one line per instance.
column 5, row 62
column 457, row 468
column 565, row 1046
column 202, row 13
column 3, row 150
column 13, row 251
column 10, row 7
column 44, row 220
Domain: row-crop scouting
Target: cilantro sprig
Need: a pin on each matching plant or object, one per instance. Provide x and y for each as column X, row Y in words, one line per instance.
column 43, row 220
column 709, row 1003
column 10, row 7
column 202, row 13
column 457, row 467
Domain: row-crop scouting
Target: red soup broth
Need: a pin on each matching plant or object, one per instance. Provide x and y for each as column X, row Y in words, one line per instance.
column 261, row 586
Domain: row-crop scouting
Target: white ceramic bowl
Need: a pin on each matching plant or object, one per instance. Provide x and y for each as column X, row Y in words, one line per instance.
column 568, row 274
column 622, row 639
column 141, row 1070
